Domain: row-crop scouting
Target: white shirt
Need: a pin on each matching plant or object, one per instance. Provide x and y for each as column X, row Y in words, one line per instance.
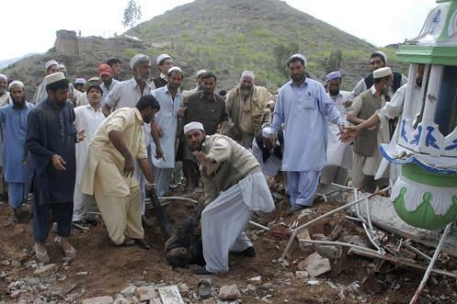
column 273, row 164
column 87, row 119
column 107, row 90
column 126, row 94
column 394, row 108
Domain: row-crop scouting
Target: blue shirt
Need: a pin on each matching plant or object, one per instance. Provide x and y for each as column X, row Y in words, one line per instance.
column 14, row 129
column 304, row 110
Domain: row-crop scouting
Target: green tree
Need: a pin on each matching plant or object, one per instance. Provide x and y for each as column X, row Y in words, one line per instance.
column 132, row 14
column 334, row 61
column 282, row 53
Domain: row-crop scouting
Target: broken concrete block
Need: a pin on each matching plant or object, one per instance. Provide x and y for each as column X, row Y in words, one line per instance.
column 98, row 300
column 317, row 268
column 301, row 274
column 145, row 293
column 329, row 251
column 312, row 258
column 183, row 288
column 170, row 295
column 128, row 291
column 229, row 293
column 155, row 301
column 46, row 270
column 302, row 237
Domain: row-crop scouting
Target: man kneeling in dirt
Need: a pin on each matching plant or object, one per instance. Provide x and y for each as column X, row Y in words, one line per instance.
column 234, row 188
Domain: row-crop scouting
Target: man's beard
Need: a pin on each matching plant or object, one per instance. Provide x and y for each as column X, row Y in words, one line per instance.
column 245, row 90
column 334, row 92
column 298, row 77
column 143, row 78
column 19, row 103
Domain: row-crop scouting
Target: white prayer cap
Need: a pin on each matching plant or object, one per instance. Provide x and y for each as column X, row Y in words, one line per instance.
column 80, row 81
column 139, row 58
column 3, row 76
column 15, row 83
column 270, row 102
column 175, row 68
column 380, row 53
column 193, row 126
column 62, row 66
column 267, row 132
column 333, row 75
column 200, row 73
column 162, row 57
column 382, row 72
column 94, row 79
column 48, row 64
column 54, row 77
column 248, row 74
column 300, row 56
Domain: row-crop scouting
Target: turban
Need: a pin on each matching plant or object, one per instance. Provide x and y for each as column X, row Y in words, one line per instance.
column 200, row 73
column 267, row 132
column 382, row 54
column 15, row 82
column 193, row 126
column 247, row 74
column 300, row 56
column 50, row 63
column 382, row 72
column 162, row 57
column 333, row 75
column 3, row 76
column 139, row 58
column 80, row 81
column 105, row 69
column 175, row 68
column 53, row 78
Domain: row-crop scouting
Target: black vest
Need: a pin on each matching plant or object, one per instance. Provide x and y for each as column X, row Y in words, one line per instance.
column 159, row 82
column 266, row 152
column 396, row 84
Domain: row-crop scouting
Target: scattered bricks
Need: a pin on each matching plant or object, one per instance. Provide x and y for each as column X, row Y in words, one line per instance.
column 46, row 270
column 229, row 293
column 302, row 237
column 145, row 293
column 317, row 268
column 329, row 251
column 99, row 300
column 301, row 274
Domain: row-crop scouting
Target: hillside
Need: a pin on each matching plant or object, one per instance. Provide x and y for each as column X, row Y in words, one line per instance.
column 230, row 36
column 225, row 37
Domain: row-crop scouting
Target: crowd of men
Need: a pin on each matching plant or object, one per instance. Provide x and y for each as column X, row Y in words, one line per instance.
column 98, row 145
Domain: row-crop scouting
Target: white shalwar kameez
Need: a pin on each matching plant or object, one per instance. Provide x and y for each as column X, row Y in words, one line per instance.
column 87, row 119
column 339, row 154
column 304, row 110
column 234, row 207
column 167, row 119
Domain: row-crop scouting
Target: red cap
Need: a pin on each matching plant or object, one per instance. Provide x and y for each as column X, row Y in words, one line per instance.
column 105, row 69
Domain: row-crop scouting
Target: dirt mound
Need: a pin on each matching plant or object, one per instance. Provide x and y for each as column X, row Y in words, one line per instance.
column 101, row 269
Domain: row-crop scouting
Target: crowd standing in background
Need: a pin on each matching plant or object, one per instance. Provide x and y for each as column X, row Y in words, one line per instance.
column 96, row 146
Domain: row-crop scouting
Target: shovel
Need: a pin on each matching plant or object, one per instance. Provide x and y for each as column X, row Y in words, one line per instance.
column 160, row 214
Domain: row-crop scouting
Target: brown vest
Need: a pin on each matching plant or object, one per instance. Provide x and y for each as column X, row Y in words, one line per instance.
column 367, row 140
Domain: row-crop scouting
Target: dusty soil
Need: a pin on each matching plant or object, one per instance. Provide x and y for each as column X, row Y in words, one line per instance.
column 110, row 269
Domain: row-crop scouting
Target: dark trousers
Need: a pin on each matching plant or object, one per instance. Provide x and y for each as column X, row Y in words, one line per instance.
column 45, row 215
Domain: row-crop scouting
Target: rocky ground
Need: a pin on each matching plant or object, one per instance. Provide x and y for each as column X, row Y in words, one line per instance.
column 133, row 275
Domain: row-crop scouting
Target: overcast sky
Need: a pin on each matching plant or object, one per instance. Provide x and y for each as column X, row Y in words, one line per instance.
column 30, row 26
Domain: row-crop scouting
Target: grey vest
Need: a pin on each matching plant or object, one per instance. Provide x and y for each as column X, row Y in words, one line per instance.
column 366, row 142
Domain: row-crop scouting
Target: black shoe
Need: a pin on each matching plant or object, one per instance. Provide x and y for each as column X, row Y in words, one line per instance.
column 296, row 208
column 249, row 252
column 202, row 271
column 142, row 243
